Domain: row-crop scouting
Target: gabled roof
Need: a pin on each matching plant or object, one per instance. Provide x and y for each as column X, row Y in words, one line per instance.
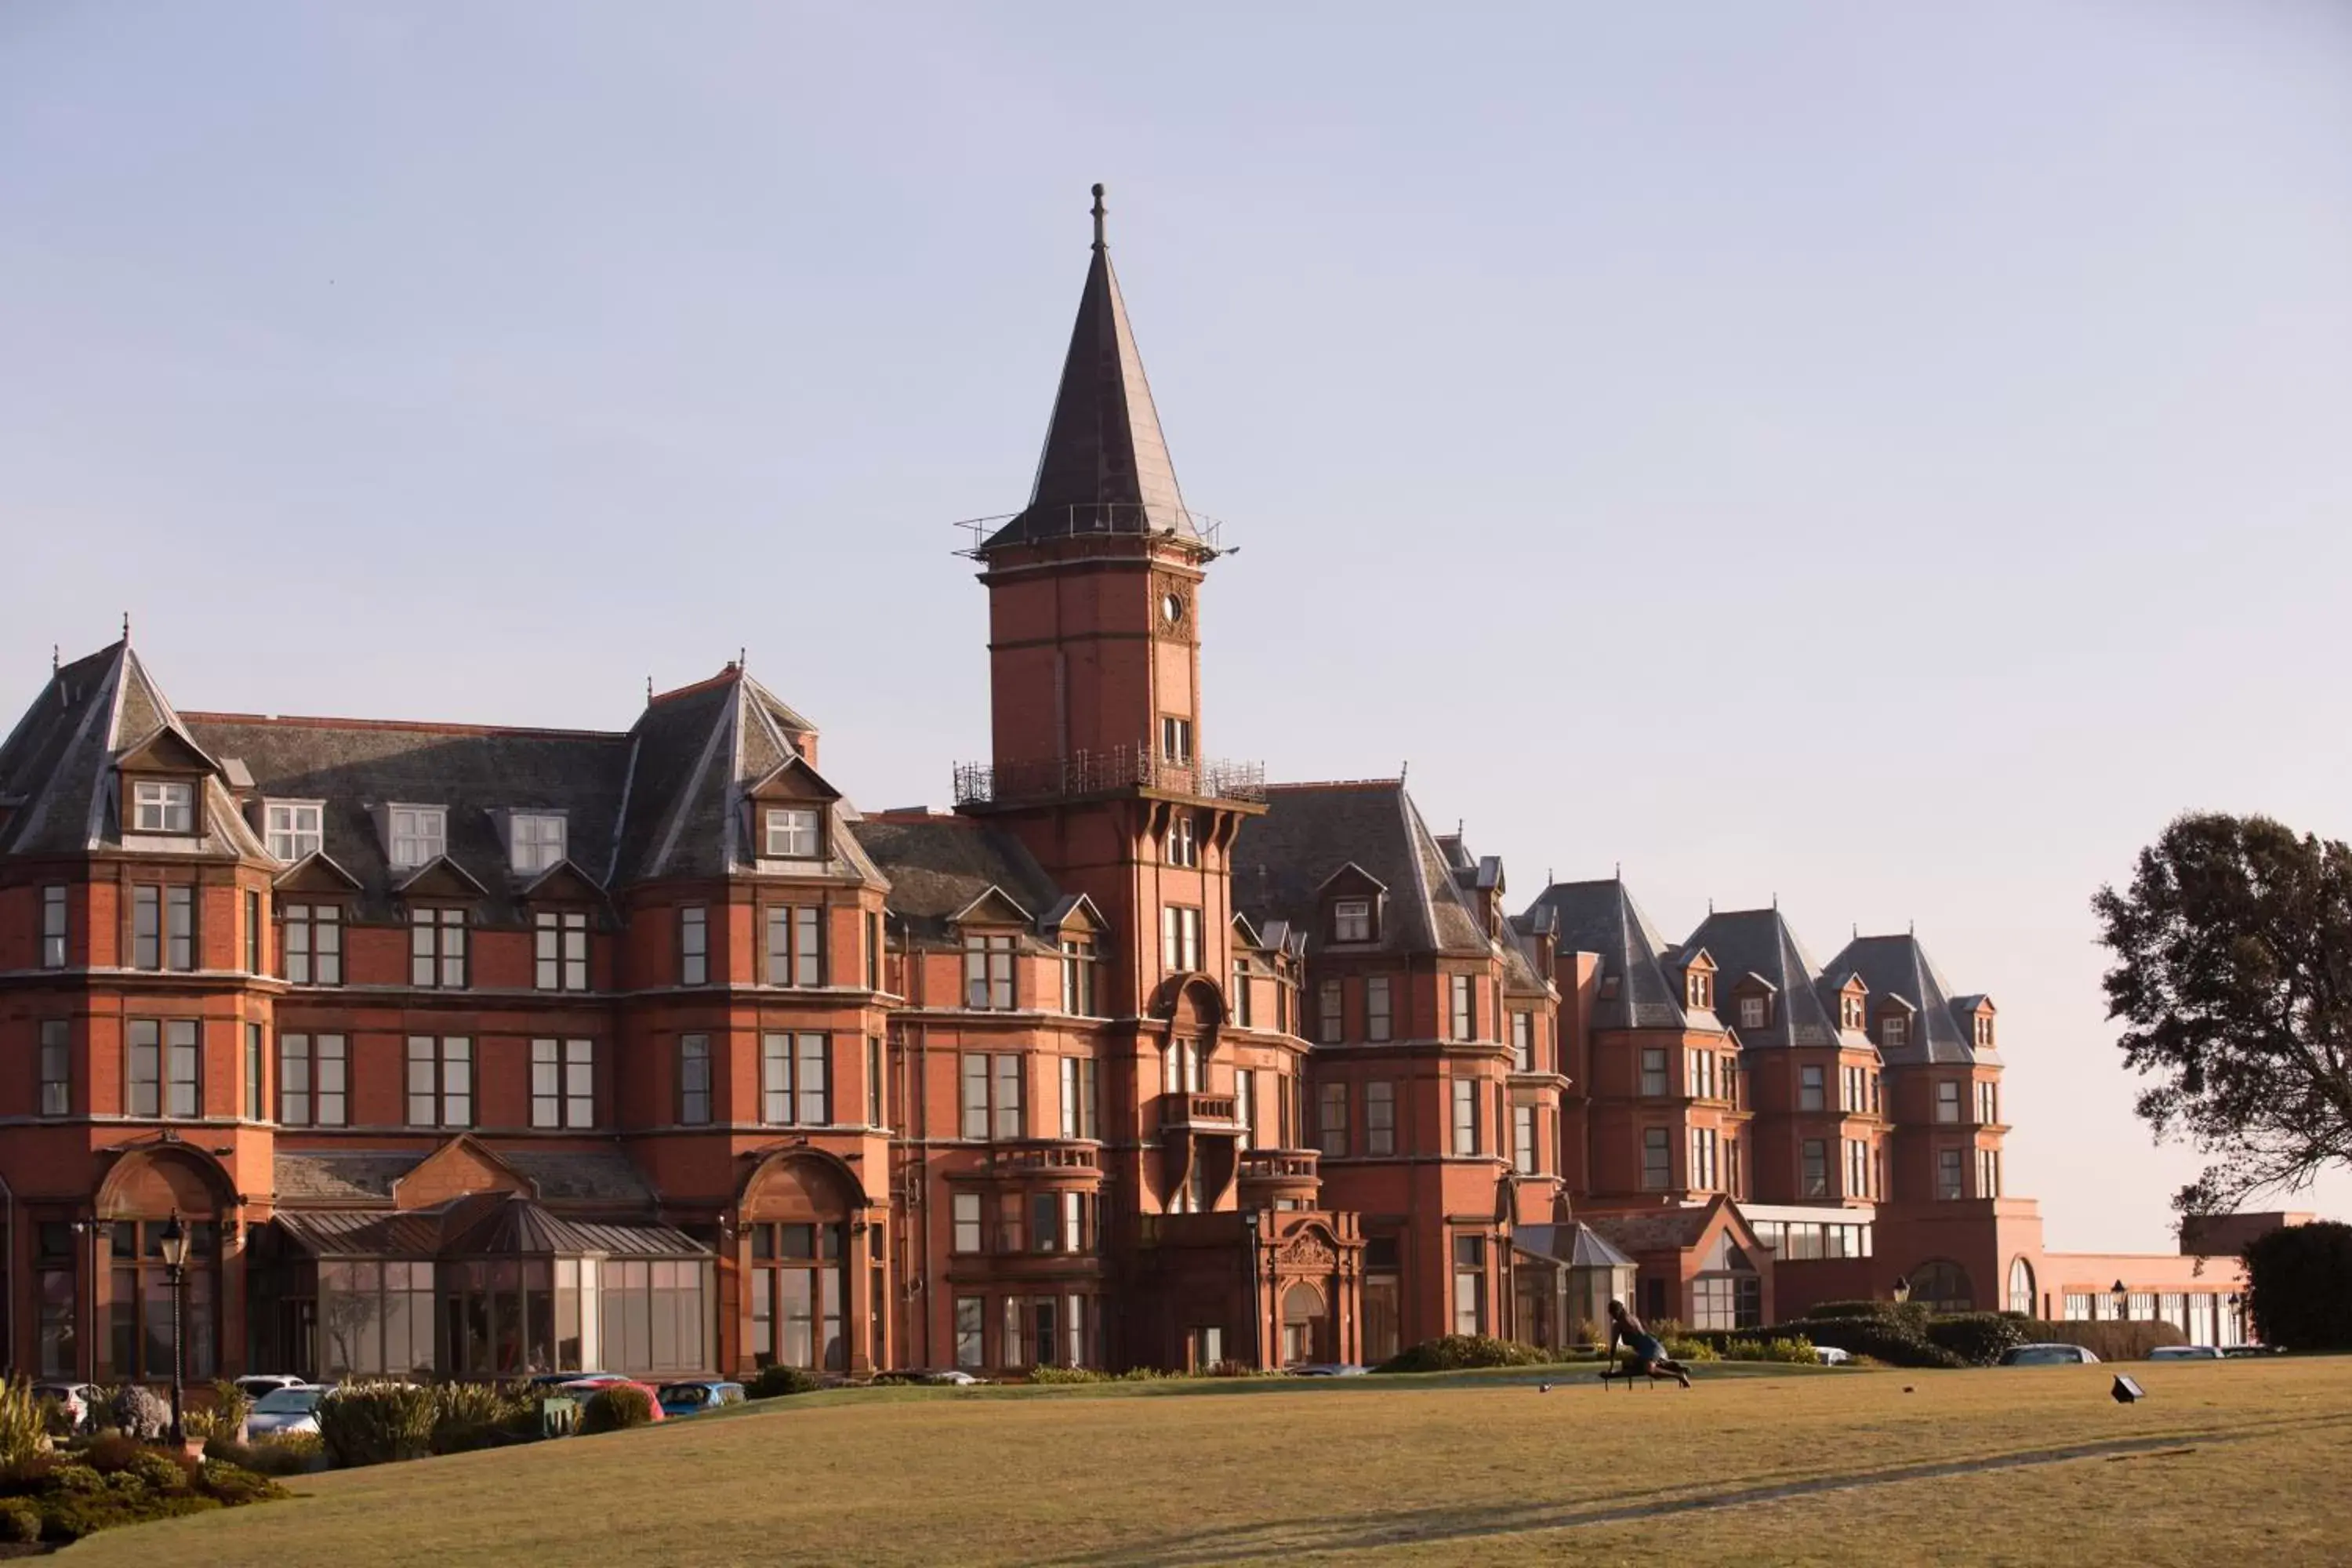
column 441, row 878
column 1898, row 966
column 1310, row 832
column 316, row 872
column 1104, row 468
column 1601, row 918
column 1758, row 941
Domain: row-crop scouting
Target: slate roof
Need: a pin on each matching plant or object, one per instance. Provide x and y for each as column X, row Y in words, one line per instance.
column 60, row 792
column 1104, row 468
column 1602, row 918
column 1940, row 1033
column 667, row 798
column 1577, row 1244
column 493, row 1224
column 1309, row 831
column 1654, row 1230
column 1759, row 942
column 937, row 866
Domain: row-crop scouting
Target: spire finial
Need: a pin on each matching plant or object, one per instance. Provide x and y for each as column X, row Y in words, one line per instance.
column 57, row 658
column 649, row 691
column 742, row 656
column 126, row 626
column 1100, row 212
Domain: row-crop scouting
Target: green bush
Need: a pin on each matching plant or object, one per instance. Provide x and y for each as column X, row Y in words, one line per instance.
column 1792, row 1350
column 20, row 1521
column 375, row 1424
column 72, row 1480
column 158, row 1471
column 469, row 1415
column 775, row 1382
column 2300, row 1278
column 1888, row 1340
column 1067, row 1374
column 2108, row 1341
column 1681, row 1348
column 224, row 1418
column 615, row 1409
column 70, row 1517
column 234, row 1486
column 1456, row 1353
column 1976, row 1338
column 287, row 1454
column 24, row 1423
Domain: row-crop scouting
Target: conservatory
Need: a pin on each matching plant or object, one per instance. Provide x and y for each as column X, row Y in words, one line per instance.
column 487, row 1286
column 1564, row 1277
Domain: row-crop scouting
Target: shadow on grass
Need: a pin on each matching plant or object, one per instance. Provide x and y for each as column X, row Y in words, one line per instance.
column 1304, row 1537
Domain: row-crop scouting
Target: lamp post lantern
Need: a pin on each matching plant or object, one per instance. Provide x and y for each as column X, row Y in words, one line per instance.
column 175, row 1271
column 2123, row 1299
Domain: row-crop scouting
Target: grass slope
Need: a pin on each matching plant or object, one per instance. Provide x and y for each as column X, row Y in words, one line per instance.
column 2227, row 1462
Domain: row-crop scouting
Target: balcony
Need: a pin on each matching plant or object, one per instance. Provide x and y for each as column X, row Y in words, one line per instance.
column 1044, row 1158
column 1100, row 772
column 1210, row 1112
column 1281, row 1165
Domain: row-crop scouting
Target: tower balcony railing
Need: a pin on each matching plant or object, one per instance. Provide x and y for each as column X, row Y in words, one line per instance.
column 1080, row 519
column 1281, row 1164
column 1219, row 1112
column 1096, row 773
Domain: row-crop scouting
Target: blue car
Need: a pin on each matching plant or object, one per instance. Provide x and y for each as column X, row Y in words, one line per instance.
column 694, row 1399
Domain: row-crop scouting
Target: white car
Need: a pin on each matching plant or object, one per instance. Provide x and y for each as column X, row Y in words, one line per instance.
column 1831, row 1356
column 74, row 1398
column 285, row 1411
column 2185, row 1352
column 2048, row 1355
column 258, row 1384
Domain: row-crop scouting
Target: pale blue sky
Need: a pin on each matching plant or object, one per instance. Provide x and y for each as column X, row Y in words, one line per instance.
column 1889, row 456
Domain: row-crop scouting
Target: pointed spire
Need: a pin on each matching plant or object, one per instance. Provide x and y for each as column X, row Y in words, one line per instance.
column 1105, row 466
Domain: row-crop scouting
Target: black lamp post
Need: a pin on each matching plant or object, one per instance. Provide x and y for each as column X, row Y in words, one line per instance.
column 1902, row 1288
column 175, row 1273
column 2123, row 1299
column 1250, row 1220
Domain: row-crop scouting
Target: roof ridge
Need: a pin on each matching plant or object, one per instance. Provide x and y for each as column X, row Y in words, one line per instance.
column 732, row 672
column 1338, row 783
column 422, row 726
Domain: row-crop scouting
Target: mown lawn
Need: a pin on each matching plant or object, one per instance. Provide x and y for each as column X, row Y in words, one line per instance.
column 2233, row 1461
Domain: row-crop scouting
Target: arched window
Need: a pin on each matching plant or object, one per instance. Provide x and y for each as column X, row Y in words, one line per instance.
column 2021, row 1286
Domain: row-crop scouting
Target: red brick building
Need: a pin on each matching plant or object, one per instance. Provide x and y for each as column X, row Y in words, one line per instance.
column 484, row 1050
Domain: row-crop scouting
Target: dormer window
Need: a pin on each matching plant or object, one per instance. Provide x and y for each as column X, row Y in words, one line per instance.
column 535, row 841
column 420, row 836
column 164, row 805
column 1699, row 987
column 1894, row 1033
column 1850, row 1012
column 792, row 833
column 1755, row 1012
column 1351, row 919
column 295, row 828
column 1984, row 1031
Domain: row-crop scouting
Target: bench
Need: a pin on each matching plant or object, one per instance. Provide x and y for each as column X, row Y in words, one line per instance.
column 1623, row 1370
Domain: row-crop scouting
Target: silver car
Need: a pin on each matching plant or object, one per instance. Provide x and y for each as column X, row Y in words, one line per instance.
column 285, row 1411
column 2047, row 1355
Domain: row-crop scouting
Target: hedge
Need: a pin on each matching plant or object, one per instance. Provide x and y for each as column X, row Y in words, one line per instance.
column 1455, row 1352
column 2301, row 1286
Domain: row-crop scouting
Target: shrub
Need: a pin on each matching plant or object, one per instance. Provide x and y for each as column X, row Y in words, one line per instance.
column 775, row 1382
column 288, row 1454
column 1684, row 1349
column 617, row 1408
column 112, row 1451
column 24, row 1421
column 54, row 1417
column 375, row 1424
column 20, row 1521
column 1453, row 1352
column 469, row 1415
column 138, row 1411
column 1822, row 1309
column 224, row 1419
column 2108, row 1341
column 1887, row 1340
column 234, row 1486
column 1793, row 1351
column 2301, row 1286
column 1067, row 1374
column 72, row 1480
column 1976, row 1338
column 70, row 1517
column 158, row 1471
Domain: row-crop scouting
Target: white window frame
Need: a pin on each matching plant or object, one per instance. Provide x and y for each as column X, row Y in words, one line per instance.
column 416, row 835
column 1351, row 919
column 1753, row 1012
column 560, row 950
column 536, row 840
column 563, row 1083
column 1896, row 1031
column 792, row 833
column 1184, row 840
column 1176, row 740
column 310, row 938
column 163, row 806
column 1466, row 1116
column 1180, row 938
column 294, row 828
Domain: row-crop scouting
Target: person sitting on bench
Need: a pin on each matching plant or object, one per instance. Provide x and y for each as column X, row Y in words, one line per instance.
column 1644, row 1354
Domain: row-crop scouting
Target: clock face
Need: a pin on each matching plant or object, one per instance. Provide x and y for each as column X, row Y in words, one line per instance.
column 1171, row 608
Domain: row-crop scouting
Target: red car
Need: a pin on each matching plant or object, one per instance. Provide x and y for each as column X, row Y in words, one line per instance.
column 580, row 1388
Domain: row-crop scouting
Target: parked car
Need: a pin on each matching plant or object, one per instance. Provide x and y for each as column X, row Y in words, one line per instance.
column 1830, row 1355
column 74, row 1398
column 258, row 1384
column 952, row 1376
column 284, row 1411
column 2047, row 1355
column 693, row 1397
column 2236, row 1350
column 581, row 1388
column 1326, row 1369
column 2185, row 1352
column 558, row 1379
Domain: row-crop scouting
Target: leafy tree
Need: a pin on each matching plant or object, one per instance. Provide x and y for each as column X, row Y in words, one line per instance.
column 2301, row 1280
column 2233, row 974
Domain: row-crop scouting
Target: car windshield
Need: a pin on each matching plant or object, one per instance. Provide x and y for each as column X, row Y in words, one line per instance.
column 2044, row 1352
column 287, row 1402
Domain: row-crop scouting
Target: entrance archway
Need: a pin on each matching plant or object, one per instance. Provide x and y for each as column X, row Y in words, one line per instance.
column 1303, row 1311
